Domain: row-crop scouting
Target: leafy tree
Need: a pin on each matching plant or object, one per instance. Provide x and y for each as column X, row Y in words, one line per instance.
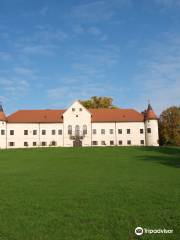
column 98, row 102
column 169, row 126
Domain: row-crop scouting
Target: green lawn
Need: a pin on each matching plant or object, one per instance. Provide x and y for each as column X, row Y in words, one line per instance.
column 89, row 193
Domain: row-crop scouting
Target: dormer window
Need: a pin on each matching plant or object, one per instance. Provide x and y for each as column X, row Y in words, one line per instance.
column 73, row 109
column 80, row 109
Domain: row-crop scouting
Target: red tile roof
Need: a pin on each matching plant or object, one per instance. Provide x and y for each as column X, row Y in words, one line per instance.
column 116, row 115
column 150, row 115
column 36, row 116
column 2, row 116
column 55, row 116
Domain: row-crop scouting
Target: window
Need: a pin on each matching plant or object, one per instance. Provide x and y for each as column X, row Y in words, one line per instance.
column 102, row 131
column 111, row 131
column 142, row 142
column 2, row 132
column 34, row 132
column 77, row 130
column 94, row 143
column 73, row 109
column 84, row 129
column 103, row 143
column 25, row 144
column 111, row 142
column 148, row 130
column 53, row 132
column 34, row 144
column 43, row 132
column 53, row 143
column 44, row 143
column 76, row 115
column 25, row 132
column 128, row 131
column 11, row 132
column 80, row 109
column 120, row 142
column 128, row 142
column 141, row 131
column 94, row 131
column 69, row 129
column 60, row 132
column 119, row 131
column 11, row 144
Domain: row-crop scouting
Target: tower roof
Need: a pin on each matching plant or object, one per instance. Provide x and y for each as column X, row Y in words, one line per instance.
column 149, row 107
column 2, row 115
column 150, row 114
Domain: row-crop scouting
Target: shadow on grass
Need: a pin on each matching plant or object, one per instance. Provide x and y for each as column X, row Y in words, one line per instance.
column 165, row 155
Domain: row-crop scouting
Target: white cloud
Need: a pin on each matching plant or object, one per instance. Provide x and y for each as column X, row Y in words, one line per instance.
column 93, row 11
column 78, row 29
column 13, row 87
column 24, row 71
column 95, row 31
column 82, row 90
column 95, row 58
column 44, row 10
column 100, row 10
column 49, row 35
column 159, row 75
column 3, row 99
column 168, row 3
column 39, row 49
column 5, row 56
column 92, row 30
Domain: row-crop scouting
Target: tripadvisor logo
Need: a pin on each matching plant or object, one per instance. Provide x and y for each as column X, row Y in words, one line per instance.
column 139, row 231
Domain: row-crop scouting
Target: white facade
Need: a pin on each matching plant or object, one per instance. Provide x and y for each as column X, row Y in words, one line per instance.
column 78, row 129
column 3, row 136
column 34, row 135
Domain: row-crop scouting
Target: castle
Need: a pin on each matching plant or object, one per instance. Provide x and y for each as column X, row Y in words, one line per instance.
column 78, row 126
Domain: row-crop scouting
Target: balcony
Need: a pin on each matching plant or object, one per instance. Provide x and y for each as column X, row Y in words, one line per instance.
column 77, row 135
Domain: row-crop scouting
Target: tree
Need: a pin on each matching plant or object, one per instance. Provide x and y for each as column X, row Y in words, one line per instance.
column 169, row 126
column 98, row 102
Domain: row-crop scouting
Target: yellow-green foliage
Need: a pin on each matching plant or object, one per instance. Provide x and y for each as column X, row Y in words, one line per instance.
column 98, row 102
column 170, row 126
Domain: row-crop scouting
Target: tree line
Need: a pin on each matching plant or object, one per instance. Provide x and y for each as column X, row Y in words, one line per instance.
column 169, row 120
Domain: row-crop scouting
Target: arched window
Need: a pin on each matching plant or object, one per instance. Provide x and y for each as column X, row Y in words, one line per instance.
column 84, row 129
column 77, row 130
column 69, row 129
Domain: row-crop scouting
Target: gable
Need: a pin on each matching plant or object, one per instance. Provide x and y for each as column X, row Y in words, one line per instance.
column 77, row 109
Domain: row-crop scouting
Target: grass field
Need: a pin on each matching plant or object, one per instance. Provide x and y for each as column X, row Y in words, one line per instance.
column 89, row 193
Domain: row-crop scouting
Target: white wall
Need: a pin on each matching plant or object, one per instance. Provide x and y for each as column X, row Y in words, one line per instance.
column 135, row 137
column 74, row 118
column 80, row 116
column 152, row 139
column 107, row 137
column 2, row 137
column 19, row 138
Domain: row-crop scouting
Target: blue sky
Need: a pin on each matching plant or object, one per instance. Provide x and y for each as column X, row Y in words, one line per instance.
column 53, row 52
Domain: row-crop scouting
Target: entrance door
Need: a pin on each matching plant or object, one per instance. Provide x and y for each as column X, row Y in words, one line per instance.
column 77, row 143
